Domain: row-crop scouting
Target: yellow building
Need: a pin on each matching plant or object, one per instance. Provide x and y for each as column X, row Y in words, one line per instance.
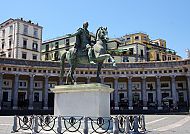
column 156, row 49
column 140, row 38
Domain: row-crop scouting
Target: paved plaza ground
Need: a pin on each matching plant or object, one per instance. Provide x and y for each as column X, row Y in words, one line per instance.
column 155, row 124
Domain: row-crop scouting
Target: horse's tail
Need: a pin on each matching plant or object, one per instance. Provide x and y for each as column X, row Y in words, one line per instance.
column 62, row 64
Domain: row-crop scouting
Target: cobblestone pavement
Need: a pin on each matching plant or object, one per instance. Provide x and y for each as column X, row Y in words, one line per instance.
column 155, row 124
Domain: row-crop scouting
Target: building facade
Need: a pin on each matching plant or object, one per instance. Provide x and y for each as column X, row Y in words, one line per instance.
column 25, row 84
column 156, row 50
column 20, row 39
column 130, row 48
column 52, row 49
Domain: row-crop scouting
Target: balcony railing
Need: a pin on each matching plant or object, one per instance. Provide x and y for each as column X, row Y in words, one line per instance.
column 158, row 64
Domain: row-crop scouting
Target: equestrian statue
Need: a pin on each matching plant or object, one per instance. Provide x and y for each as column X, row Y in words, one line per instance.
column 86, row 52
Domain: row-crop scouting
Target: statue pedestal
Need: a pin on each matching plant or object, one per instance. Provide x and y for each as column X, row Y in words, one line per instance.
column 90, row 100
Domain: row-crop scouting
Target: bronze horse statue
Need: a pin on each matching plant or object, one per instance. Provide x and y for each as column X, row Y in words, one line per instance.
column 99, row 55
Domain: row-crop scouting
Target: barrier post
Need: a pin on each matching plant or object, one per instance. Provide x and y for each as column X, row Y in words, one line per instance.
column 15, row 124
column 115, row 125
column 59, row 125
column 85, row 129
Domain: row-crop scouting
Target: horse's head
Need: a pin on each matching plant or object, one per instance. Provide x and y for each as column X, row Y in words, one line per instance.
column 102, row 34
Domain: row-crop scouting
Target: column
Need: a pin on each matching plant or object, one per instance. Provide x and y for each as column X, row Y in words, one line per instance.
column 1, row 92
column 158, row 93
column 130, row 94
column 188, row 90
column 144, row 94
column 46, row 87
column 174, row 91
column 15, row 92
column 116, row 92
column 31, row 90
column 88, row 80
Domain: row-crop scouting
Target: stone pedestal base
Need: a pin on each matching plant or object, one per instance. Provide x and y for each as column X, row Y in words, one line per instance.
column 145, row 108
column 90, row 100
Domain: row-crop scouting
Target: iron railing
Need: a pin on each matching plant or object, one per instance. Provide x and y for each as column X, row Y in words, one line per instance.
column 83, row 125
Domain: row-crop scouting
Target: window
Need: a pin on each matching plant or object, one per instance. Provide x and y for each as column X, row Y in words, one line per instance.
column 121, row 96
column 157, row 57
column 136, row 85
column 136, row 37
column 22, row 84
column 122, row 86
column 136, row 98
column 130, row 51
column 56, row 55
column 46, row 56
column 150, row 86
column 181, row 97
column 67, row 42
column 145, row 38
column 37, row 84
column 24, row 55
column 47, row 47
column 9, row 54
column 10, row 42
column 24, row 43
column 128, row 39
column 11, row 29
column 7, row 83
column 169, row 58
column 36, row 97
column 3, row 45
column 56, row 45
column 150, row 97
column 3, row 33
column 35, row 32
column 34, row 57
column 180, row 84
column 142, row 53
column 51, row 85
column 165, row 85
column 25, row 29
column 125, row 59
column 35, row 46
column 5, row 96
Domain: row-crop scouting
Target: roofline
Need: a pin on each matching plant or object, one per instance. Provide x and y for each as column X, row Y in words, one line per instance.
column 136, row 33
column 20, row 20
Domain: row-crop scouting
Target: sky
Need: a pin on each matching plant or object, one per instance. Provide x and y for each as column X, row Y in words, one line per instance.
column 165, row 19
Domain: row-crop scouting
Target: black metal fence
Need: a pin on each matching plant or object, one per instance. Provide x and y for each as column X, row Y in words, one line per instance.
column 83, row 125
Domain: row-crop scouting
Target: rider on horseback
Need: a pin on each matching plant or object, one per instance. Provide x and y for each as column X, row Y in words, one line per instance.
column 83, row 43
